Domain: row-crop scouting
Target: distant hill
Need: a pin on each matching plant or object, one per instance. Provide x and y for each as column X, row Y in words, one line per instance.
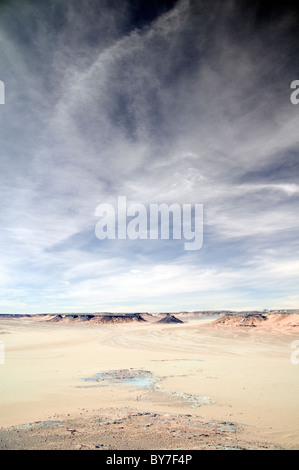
column 258, row 320
column 106, row 318
column 169, row 319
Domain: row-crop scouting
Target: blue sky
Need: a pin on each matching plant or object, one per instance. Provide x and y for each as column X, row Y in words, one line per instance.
column 177, row 102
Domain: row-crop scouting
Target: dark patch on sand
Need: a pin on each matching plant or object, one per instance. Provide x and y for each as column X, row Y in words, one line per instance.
column 135, row 377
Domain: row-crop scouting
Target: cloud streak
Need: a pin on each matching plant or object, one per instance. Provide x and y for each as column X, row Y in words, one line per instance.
column 186, row 104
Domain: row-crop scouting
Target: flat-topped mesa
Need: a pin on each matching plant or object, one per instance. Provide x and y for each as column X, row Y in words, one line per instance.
column 241, row 319
column 126, row 318
column 268, row 320
column 69, row 317
column 97, row 318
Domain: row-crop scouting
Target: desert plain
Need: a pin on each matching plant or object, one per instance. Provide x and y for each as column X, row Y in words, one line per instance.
column 211, row 381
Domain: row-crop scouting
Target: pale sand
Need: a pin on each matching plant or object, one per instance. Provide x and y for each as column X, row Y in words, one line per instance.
column 223, row 375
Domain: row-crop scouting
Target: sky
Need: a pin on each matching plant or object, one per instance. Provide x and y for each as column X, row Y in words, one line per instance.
column 184, row 102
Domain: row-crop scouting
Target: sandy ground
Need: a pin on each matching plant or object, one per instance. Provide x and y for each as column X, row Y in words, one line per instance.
column 147, row 386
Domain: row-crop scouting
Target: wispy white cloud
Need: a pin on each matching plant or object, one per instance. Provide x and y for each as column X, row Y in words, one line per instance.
column 192, row 108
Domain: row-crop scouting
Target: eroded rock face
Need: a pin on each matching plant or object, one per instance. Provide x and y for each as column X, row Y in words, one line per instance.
column 109, row 318
column 260, row 320
column 170, row 319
